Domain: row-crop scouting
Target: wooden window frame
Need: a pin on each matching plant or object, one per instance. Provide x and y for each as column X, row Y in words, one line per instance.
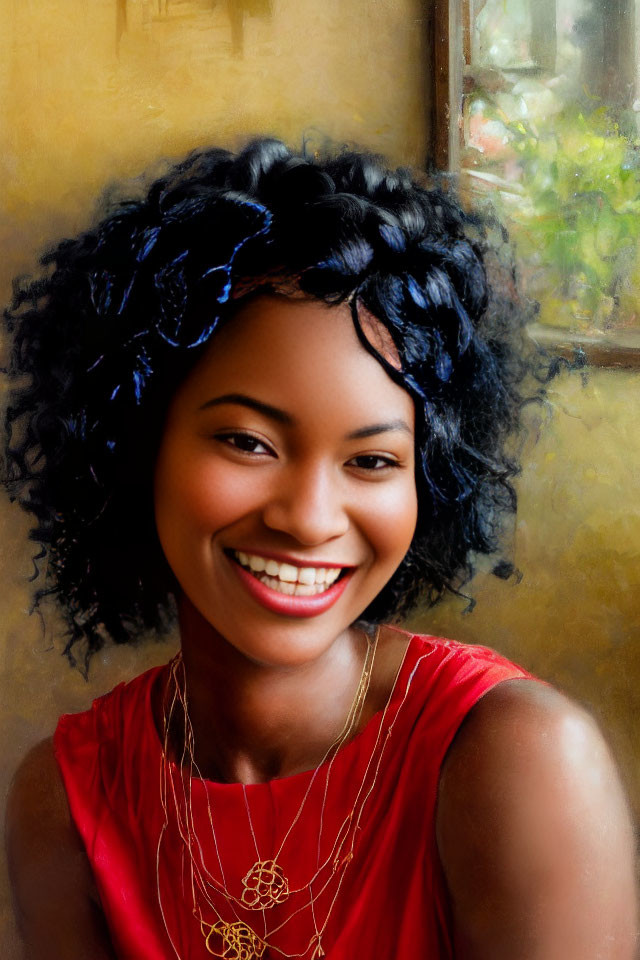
column 449, row 42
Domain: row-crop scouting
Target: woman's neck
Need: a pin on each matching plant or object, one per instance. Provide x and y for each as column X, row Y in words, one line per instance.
column 253, row 722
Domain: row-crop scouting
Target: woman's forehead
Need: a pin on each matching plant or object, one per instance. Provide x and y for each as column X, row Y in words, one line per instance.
column 296, row 348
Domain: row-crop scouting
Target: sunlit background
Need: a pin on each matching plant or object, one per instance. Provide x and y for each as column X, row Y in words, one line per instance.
column 94, row 93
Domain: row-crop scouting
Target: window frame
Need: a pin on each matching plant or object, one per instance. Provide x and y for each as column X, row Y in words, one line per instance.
column 449, row 44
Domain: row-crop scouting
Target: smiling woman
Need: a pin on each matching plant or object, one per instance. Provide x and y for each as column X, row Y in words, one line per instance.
column 273, row 398
column 303, row 475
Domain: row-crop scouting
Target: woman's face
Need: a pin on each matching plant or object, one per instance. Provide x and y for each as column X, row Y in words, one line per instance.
column 285, row 495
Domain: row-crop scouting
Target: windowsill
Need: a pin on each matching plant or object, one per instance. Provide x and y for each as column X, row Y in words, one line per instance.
column 492, row 181
column 617, row 348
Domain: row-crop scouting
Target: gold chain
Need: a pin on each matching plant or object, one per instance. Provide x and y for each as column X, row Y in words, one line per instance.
column 259, row 869
column 277, row 889
column 237, row 940
column 255, row 875
column 230, row 944
column 256, row 887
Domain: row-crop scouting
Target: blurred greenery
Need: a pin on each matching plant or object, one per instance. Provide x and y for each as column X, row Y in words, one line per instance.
column 572, row 204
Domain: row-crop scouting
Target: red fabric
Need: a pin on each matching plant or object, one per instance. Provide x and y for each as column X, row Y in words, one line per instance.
column 392, row 904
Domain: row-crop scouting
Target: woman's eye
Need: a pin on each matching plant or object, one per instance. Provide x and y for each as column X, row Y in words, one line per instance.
column 373, row 462
column 244, row 442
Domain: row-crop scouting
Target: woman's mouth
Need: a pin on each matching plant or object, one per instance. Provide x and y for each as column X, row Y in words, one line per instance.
column 287, row 588
column 287, row 578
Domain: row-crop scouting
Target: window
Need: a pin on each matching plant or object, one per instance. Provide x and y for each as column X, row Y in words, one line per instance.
column 536, row 104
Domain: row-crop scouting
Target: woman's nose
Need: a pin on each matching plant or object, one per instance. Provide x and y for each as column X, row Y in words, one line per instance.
column 309, row 505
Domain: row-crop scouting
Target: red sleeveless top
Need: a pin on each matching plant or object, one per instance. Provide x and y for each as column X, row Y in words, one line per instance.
column 377, row 886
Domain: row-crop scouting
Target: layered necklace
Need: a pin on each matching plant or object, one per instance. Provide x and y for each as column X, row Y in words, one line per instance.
column 265, row 883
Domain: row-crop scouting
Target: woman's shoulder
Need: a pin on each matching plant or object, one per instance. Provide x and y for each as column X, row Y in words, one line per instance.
column 437, row 683
column 124, row 706
column 460, row 653
column 530, row 795
column 40, row 838
column 104, row 747
column 435, row 652
column 445, row 678
column 37, row 807
column 56, row 898
column 37, row 784
column 518, row 719
column 502, row 720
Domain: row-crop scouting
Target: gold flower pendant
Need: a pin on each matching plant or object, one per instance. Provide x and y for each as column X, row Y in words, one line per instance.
column 264, row 885
column 232, row 941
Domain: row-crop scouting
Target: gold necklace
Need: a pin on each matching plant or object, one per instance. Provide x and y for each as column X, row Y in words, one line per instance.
column 236, row 940
column 239, row 929
column 197, row 874
column 265, row 884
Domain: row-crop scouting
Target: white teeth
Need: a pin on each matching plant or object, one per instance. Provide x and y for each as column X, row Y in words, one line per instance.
column 275, row 584
column 288, row 573
column 308, row 590
column 287, row 578
column 292, row 589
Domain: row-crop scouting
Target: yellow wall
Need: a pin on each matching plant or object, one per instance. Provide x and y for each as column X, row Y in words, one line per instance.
column 80, row 110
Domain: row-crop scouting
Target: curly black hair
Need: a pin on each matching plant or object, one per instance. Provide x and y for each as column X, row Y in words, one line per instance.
column 124, row 310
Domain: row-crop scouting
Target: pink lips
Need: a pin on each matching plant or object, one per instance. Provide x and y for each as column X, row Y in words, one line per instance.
column 286, row 605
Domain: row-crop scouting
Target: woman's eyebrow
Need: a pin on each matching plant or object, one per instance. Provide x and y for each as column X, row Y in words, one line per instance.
column 280, row 416
column 274, row 413
column 376, row 428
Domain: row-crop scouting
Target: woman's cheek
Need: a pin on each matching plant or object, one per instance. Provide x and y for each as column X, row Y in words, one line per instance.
column 390, row 518
column 213, row 493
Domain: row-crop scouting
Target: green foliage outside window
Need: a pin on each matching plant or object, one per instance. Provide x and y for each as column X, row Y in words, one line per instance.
column 573, row 212
column 551, row 145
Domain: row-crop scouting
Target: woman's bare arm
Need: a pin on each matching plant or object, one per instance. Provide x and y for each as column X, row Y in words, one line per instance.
column 535, row 835
column 56, row 903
